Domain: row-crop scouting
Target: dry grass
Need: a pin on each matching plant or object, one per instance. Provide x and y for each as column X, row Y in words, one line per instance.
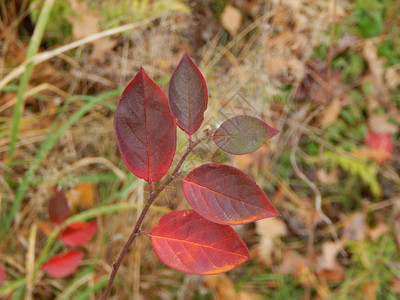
column 246, row 74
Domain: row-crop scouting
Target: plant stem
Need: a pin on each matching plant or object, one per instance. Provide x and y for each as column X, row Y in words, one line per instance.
column 136, row 229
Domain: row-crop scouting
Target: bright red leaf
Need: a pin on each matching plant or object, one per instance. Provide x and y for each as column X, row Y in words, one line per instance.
column 226, row 195
column 58, row 208
column 187, row 242
column 381, row 143
column 187, row 95
column 2, row 275
column 145, row 128
column 78, row 234
column 62, row 265
column 243, row 134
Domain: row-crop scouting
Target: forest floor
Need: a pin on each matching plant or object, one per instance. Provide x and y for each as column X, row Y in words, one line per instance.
column 326, row 74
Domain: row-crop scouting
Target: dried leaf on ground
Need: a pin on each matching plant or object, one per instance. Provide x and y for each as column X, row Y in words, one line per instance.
column 331, row 113
column 392, row 77
column 231, row 19
column 81, row 196
column 370, row 289
column 347, row 41
column 293, row 264
column 46, row 227
column 268, row 229
column 328, row 267
column 381, row 124
column 375, row 65
column 87, row 193
column 84, row 23
column 225, row 289
column 376, row 232
column 355, row 228
column 328, row 178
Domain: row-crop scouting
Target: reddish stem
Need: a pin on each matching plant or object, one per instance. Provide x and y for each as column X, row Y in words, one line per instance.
column 136, row 229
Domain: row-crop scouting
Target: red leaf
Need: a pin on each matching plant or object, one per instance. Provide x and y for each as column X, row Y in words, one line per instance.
column 187, row 95
column 382, row 143
column 78, row 234
column 58, row 209
column 145, row 128
column 243, row 134
column 62, row 265
column 2, row 275
column 226, row 195
column 187, row 242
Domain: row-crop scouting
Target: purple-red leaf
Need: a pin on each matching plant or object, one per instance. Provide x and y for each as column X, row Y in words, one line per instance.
column 62, row 265
column 2, row 275
column 381, row 144
column 58, row 208
column 78, row 233
column 243, row 134
column 187, row 242
column 187, row 95
column 226, row 195
column 145, row 128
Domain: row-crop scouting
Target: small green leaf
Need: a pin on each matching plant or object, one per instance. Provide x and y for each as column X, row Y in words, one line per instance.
column 243, row 134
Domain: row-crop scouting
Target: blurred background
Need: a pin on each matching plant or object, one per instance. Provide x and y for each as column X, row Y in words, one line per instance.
column 324, row 73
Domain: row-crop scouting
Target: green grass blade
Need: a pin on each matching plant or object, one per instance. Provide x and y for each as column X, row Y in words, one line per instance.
column 86, row 293
column 23, row 85
column 45, row 148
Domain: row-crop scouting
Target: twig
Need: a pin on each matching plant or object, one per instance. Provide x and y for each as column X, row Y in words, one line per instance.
column 136, row 229
column 318, row 197
column 43, row 56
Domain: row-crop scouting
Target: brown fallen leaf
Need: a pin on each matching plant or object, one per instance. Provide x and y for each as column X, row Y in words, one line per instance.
column 381, row 124
column 377, row 155
column 375, row 65
column 82, row 195
column 231, row 19
column 328, row 178
column 293, row 264
column 331, row 113
column 85, row 23
column 327, row 265
column 395, row 284
column 225, row 289
column 392, row 77
column 369, row 290
column 376, row 232
column 46, row 227
column 101, row 47
column 355, row 228
column 87, row 194
column 269, row 230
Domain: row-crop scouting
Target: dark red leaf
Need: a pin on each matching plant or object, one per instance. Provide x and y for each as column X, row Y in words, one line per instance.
column 243, row 134
column 145, row 128
column 58, row 207
column 226, row 195
column 2, row 275
column 187, row 242
column 62, row 265
column 78, row 234
column 187, row 95
column 382, row 143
